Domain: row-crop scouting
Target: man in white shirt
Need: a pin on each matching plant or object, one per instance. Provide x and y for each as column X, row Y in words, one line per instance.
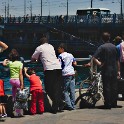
column 52, row 71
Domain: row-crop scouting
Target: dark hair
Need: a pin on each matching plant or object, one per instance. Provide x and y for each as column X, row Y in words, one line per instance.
column 106, row 36
column 31, row 71
column 13, row 56
column 43, row 40
column 62, row 45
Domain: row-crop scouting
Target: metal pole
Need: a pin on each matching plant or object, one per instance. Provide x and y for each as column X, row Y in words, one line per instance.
column 67, row 10
column 24, row 7
column 49, row 8
column 41, row 8
column 5, row 9
column 8, row 9
column 121, row 8
column 91, row 3
column 31, row 8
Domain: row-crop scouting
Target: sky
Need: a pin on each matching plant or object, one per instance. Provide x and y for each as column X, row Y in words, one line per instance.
column 56, row 7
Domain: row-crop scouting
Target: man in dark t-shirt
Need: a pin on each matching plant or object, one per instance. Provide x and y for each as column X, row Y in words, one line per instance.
column 106, row 56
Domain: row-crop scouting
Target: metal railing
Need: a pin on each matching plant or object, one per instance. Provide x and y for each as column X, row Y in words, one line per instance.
column 89, row 19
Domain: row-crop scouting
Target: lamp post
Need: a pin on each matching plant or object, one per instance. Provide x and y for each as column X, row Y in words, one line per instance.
column 8, row 9
column 4, row 8
column 24, row 7
column 41, row 7
column 91, row 3
column 67, row 9
column 121, row 7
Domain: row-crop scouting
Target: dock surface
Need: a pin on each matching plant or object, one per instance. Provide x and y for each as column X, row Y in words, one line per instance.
column 96, row 115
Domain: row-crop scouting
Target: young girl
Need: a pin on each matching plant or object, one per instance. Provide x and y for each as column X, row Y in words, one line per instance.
column 2, row 100
column 16, row 76
column 36, row 91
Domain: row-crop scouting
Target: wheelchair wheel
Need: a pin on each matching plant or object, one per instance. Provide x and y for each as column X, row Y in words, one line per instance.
column 87, row 101
column 84, row 86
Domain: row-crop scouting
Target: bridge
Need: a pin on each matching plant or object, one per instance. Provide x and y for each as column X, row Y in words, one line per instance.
column 75, row 19
column 80, row 33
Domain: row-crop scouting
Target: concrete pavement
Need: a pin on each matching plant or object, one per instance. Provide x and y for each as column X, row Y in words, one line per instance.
column 96, row 115
column 78, row 116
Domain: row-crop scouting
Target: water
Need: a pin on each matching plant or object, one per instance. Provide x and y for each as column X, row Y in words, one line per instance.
column 82, row 73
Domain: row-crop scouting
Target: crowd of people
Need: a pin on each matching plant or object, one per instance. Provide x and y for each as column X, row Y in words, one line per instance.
column 59, row 75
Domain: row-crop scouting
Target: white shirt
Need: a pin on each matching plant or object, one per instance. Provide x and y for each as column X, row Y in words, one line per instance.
column 66, row 60
column 47, row 55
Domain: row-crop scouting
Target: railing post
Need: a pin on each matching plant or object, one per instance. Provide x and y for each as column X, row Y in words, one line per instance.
column 100, row 19
column 87, row 19
column 114, row 18
column 76, row 19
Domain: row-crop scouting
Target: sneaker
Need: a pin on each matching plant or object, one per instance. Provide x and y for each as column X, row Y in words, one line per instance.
column 4, row 115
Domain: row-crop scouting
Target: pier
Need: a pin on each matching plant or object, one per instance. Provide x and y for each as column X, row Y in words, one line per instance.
column 95, row 115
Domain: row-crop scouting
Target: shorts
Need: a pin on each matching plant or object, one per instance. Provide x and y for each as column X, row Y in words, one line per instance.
column 3, row 99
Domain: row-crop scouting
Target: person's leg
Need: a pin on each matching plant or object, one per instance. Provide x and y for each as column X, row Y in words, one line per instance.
column 72, row 91
column 53, row 86
column 48, row 81
column 67, row 82
column 122, row 69
column 106, row 91
column 1, row 112
column 40, row 96
column 122, row 74
column 114, row 91
column 33, row 102
column 15, row 84
column 58, row 81
column 4, row 110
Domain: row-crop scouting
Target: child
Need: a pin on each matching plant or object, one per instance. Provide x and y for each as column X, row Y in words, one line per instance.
column 67, row 61
column 2, row 100
column 16, row 75
column 36, row 91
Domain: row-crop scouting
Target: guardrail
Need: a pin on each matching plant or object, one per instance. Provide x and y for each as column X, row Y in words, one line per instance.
column 29, row 61
column 88, row 19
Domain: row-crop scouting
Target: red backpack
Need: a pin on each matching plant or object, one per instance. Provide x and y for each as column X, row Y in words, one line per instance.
column 2, row 93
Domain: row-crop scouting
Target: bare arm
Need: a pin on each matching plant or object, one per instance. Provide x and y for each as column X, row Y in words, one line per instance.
column 33, row 59
column 35, row 55
column 3, row 45
column 21, row 79
column 118, row 74
column 74, row 63
column 96, row 61
column 26, row 74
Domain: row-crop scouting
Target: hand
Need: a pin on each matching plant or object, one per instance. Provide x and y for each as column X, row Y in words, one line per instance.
column 87, row 65
column 118, row 75
column 25, row 69
column 7, row 60
column 21, row 87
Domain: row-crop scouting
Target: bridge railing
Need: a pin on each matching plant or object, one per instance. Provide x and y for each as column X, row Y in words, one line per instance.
column 88, row 19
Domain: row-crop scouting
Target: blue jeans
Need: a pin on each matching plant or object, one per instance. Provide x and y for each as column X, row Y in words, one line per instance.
column 69, row 91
